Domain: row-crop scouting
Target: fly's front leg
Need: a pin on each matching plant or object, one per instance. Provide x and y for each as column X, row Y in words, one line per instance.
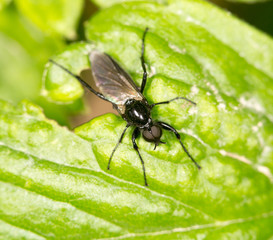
column 119, row 141
column 171, row 129
column 166, row 102
column 134, row 136
column 144, row 78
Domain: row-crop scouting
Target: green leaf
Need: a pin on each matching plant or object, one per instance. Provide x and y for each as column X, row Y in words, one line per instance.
column 57, row 86
column 4, row 3
column 66, row 187
column 55, row 184
column 108, row 3
column 22, row 64
column 19, row 56
column 11, row 84
column 53, row 17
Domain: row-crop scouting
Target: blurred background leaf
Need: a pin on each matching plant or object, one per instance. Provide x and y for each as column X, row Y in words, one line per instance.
column 3, row 3
column 53, row 16
column 25, row 48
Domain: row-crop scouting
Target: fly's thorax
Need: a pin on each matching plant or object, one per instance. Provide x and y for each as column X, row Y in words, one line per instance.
column 137, row 113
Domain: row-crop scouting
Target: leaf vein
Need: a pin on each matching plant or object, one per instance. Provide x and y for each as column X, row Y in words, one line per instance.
column 23, row 228
column 193, row 228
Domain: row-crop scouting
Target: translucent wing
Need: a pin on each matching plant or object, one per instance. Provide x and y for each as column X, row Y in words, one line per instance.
column 113, row 82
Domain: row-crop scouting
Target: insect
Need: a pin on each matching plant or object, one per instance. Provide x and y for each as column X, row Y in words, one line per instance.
column 117, row 87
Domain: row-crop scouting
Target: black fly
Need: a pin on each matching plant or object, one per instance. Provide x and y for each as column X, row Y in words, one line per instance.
column 117, row 87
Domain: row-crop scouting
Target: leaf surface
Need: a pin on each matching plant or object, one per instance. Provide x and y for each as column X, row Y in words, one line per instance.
column 229, row 133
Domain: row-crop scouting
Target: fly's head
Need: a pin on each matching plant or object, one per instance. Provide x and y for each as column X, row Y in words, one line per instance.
column 152, row 133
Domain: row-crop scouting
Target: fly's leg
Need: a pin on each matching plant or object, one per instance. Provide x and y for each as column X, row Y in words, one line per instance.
column 134, row 136
column 83, row 83
column 119, row 141
column 166, row 102
column 171, row 129
column 144, row 78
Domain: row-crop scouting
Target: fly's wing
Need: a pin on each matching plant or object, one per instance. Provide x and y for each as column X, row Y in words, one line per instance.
column 113, row 82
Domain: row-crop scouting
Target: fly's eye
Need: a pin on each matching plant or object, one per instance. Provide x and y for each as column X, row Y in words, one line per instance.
column 154, row 135
column 156, row 131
